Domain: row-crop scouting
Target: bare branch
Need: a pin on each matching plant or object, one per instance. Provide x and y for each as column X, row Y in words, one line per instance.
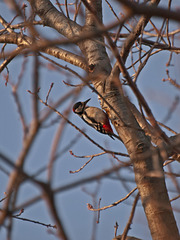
column 113, row 204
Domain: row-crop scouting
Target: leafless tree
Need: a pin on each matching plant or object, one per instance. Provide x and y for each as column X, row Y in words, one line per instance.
column 105, row 58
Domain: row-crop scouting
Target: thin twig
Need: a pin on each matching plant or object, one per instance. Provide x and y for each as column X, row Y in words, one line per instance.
column 116, row 228
column 78, row 170
column 98, row 217
column 175, row 198
column 52, row 84
column 113, row 204
column 130, row 218
column 34, row 221
column 172, row 81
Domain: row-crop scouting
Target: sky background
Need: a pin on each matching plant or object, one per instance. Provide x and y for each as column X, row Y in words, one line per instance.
column 72, row 204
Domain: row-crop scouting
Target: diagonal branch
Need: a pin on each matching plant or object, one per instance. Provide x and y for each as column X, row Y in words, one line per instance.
column 53, row 18
column 24, row 42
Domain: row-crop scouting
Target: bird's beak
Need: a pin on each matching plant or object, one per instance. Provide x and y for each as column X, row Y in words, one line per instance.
column 87, row 101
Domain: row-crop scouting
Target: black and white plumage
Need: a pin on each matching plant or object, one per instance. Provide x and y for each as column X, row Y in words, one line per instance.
column 95, row 117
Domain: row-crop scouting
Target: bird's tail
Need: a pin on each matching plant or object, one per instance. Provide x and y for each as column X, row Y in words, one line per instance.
column 113, row 135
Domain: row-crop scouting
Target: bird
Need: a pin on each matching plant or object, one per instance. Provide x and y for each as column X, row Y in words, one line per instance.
column 94, row 117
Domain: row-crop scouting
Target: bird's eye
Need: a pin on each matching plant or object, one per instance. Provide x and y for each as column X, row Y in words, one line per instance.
column 76, row 105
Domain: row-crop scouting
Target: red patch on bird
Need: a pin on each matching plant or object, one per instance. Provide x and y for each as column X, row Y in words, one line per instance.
column 108, row 128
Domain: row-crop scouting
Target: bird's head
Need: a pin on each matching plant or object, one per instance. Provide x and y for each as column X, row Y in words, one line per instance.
column 79, row 107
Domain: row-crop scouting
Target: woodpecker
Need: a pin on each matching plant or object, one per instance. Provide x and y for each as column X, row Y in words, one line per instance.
column 95, row 117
